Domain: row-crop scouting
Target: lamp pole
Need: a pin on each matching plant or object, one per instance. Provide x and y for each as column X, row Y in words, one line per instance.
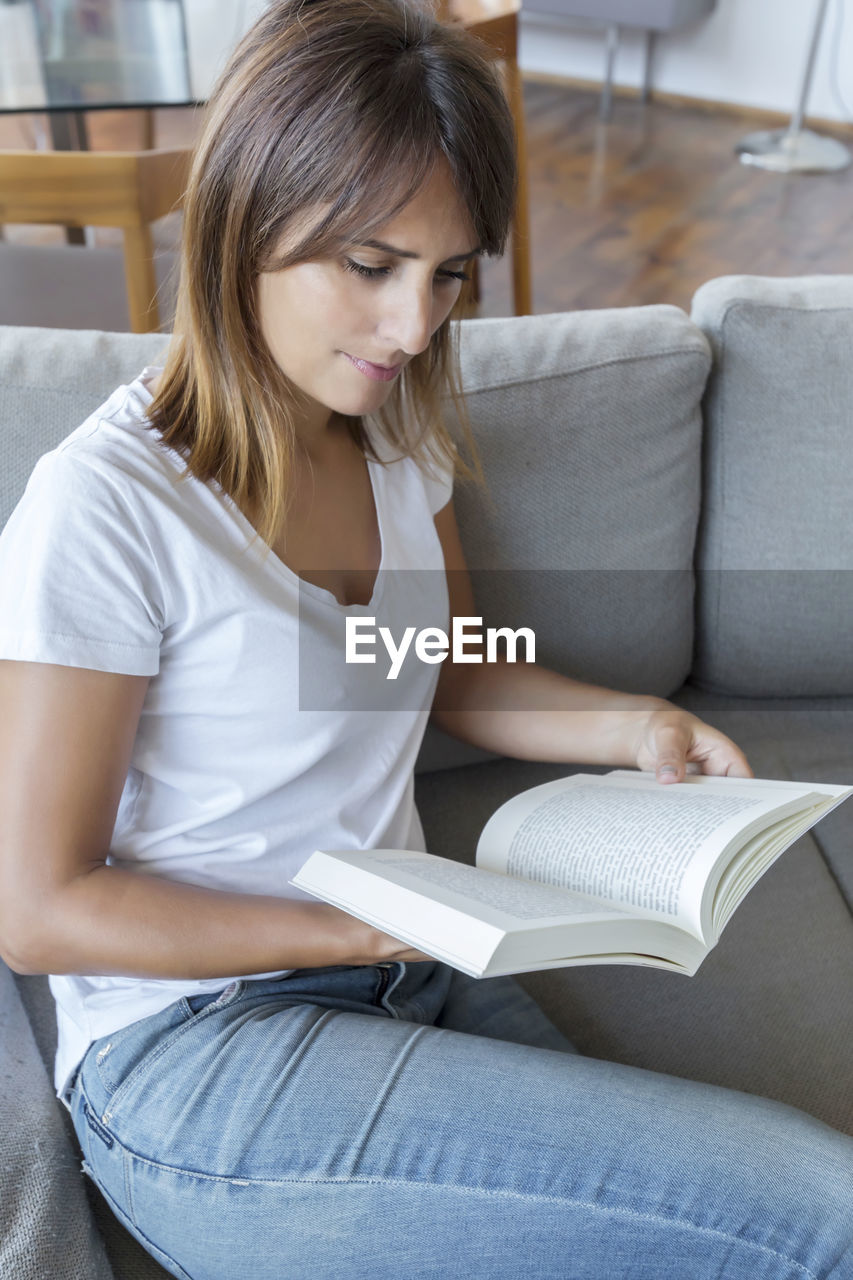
column 795, row 149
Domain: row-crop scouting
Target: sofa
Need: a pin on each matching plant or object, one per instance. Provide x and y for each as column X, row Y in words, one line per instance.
column 669, row 507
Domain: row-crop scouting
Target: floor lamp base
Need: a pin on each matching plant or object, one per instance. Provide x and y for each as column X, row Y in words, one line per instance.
column 783, row 151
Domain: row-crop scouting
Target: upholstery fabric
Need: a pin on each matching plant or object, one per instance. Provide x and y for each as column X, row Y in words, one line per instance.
column 606, row 405
column 768, row 1012
column 50, row 381
column 797, row 739
column 775, row 554
column 46, row 1229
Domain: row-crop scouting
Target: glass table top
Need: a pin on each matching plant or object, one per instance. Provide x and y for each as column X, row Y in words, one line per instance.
column 82, row 55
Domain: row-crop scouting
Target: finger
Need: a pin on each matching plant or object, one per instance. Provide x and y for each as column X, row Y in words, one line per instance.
column 739, row 767
column 723, row 759
column 727, row 761
column 670, row 754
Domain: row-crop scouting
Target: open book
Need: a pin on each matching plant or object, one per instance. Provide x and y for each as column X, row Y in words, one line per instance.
column 590, row 869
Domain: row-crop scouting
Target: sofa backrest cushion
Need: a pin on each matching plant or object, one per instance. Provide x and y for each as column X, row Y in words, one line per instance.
column 588, row 425
column 50, row 381
column 775, row 594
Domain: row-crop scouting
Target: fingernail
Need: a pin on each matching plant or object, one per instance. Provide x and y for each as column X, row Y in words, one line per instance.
column 667, row 768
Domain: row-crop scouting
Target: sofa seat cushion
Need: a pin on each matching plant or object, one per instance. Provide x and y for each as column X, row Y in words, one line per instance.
column 797, row 739
column 769, row 1010
column 46, row 1228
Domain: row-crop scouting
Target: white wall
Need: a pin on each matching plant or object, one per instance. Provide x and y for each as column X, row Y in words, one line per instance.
column 751, row 52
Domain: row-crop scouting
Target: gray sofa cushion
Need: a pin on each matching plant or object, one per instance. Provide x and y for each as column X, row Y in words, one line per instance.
column 50, row 381
column 799, row 739
column 589, row 431
column 775, row 591
column 46, row 1229
column 126, row 1258
column 769, row 1011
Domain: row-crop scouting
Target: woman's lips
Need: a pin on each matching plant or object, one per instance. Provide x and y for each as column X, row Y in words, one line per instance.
column 379, row 372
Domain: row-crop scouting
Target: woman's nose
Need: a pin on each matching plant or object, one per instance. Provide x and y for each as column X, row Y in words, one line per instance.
column 407, row 324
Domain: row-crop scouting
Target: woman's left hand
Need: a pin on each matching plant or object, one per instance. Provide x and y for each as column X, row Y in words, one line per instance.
column 671, row 739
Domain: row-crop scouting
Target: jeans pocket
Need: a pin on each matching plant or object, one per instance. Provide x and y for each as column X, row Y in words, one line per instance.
column 97, row 1128
column 212, row 999
column 122, row 1058
column 116, row 1056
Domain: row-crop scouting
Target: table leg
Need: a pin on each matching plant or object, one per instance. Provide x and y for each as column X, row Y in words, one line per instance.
column 68, row 133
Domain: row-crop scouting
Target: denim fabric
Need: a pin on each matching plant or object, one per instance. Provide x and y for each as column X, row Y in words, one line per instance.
column 398, row 1121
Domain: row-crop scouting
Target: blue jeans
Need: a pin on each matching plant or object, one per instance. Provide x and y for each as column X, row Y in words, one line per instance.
column 399, row 1121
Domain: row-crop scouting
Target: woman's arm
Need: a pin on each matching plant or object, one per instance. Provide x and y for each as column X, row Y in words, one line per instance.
column 523, row 710
column 66, row 736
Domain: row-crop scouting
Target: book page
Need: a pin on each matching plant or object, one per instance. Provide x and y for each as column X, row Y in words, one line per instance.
column 625, row 838
column 520, row 899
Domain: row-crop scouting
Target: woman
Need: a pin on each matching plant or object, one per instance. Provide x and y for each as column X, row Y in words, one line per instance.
column 261, row 1084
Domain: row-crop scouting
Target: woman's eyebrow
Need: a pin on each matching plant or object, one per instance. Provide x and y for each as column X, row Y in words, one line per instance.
column 406, row 253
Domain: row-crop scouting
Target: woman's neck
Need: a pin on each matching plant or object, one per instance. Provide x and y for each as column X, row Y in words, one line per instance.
column 321, row 442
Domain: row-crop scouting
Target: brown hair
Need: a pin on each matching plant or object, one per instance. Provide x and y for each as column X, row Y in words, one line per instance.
column 347, row 104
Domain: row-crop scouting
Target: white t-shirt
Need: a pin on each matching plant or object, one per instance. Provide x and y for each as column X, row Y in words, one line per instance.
column 257, row 742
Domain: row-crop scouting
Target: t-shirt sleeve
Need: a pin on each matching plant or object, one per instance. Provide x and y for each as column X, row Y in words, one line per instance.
column 78, row 582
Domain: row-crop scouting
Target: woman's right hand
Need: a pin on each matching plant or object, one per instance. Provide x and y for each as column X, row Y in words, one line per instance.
column 66, row 737
column 372, row 946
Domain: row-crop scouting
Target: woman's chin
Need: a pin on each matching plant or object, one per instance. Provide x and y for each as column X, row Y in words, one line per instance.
column 368, row 401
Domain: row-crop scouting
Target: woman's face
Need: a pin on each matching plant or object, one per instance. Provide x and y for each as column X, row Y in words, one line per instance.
column 341, row 329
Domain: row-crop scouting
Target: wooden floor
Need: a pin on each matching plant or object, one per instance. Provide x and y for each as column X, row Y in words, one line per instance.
column 641, row 210
column 646, row 208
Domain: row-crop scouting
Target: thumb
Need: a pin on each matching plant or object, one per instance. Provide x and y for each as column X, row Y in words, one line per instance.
column 669, row 770
column 670, row 755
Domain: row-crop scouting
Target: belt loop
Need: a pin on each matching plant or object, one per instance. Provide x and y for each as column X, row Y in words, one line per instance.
column 67, row 1095
column 390, row 980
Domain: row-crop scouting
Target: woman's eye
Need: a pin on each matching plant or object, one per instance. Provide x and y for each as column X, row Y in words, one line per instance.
column 370, row 273
column 375, row 273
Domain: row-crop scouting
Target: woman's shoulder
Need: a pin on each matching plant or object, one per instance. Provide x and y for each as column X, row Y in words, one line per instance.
column 122, row 417
column 115, row 443
column 109, row 477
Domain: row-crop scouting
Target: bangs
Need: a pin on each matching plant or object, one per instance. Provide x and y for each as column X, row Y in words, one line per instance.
column 395, row 113
column 367, row 198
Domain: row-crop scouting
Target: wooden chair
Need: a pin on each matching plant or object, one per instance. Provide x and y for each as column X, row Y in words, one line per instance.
column 100, row 189
column 495, row 22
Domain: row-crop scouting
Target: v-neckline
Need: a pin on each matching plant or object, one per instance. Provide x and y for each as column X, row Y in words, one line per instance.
column 271, row 557
column 322, row 593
